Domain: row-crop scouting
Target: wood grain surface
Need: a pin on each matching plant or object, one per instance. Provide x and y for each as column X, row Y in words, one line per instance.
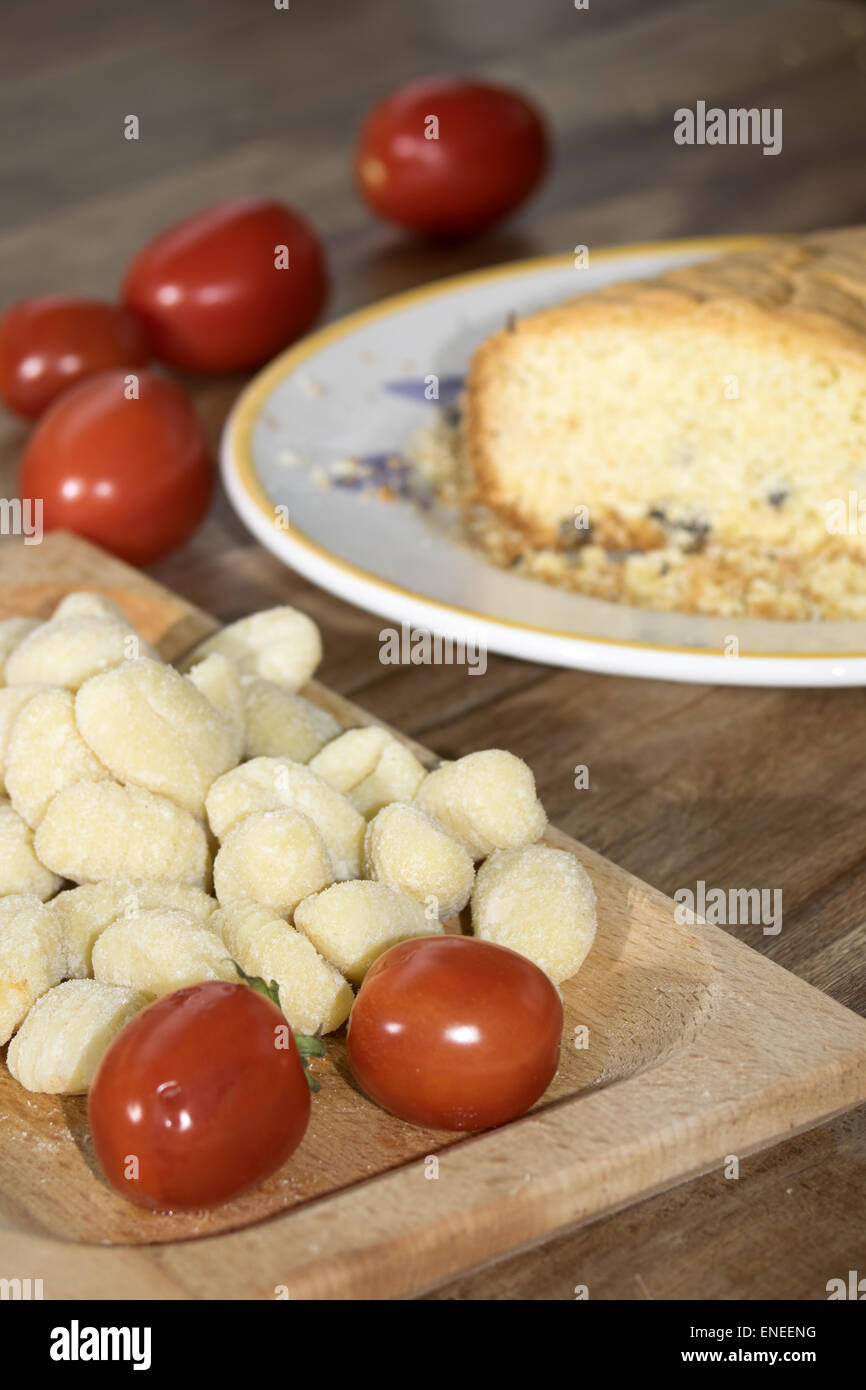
column 736, row 787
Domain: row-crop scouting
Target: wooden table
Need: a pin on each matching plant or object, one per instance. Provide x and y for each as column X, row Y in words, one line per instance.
column 736, row 787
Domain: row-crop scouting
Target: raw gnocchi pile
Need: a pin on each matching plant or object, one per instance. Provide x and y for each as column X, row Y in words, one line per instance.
column 158, row 825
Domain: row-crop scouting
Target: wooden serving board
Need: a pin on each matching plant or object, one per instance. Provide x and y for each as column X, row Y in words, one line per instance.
column 698, row 1049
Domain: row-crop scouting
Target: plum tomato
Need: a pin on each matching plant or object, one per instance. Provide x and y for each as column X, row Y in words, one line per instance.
column 228, row 288
column 199, row 1097
column 449, row 157
column 121, row 459
column 50, row 342
column 454, row 1033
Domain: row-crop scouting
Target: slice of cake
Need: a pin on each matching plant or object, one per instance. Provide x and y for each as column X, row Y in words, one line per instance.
column 723, row 403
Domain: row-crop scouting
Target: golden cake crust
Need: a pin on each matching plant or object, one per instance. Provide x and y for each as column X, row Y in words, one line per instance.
column 796, row 295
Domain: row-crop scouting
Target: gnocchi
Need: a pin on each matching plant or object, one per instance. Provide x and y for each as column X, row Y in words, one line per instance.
column 278, row 784
column 370, row 767
column 272, row 857
column 32, row 960
column 13, row 698
column 65, row 1035
column 350, row 924
column 158, row 951
column 280, row 724
column 22, row 869
column 95, row 830
column 47, row 753
column 12, row 633
column 84, row 604
column 540, row 902
column 153, row 728
column 279, row 644
column 144, row 786
column 67, row 651
column 218, row 679
column 408, row 849
column 83, row 913
column 313, row 994
column 486, row 800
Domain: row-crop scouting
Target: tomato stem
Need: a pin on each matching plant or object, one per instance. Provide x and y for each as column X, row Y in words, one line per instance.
column 309, row 1045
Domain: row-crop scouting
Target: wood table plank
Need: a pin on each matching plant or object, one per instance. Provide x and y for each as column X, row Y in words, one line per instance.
column 735, row 787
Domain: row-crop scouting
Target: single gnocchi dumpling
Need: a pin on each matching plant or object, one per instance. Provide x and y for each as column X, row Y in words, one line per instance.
column 83, row 603
column 47, row 753
column 66, row 1034
column 279, row 644
column 486, row 800
column 95, row 830
column 280, row 724
column 83, row 913
column 21, row 869
column 408, row 849
column 219, row 680
column 159, row 951
column 540, row 902
column 68, row 651
column 12, row 634
column 272, row 857
column 13, row 698
column 32, row 960
column 153, row 728
column 350, row 924
column 370, row 767
column 278, row 784
column 313, row 994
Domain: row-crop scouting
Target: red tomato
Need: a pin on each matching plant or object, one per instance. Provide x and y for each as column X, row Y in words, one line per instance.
column 199, row 1097
column 215, row 293
column 485, row 156
column 455, row 1033
column 133, row 475
column 49, row 343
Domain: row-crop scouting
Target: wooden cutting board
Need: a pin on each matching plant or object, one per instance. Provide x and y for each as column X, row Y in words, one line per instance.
column 682, row 1049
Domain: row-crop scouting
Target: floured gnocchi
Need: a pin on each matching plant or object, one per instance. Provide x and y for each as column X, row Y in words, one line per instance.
column 13, row 698
column 410, row 850
column 95, row 830
column 280, row 724
column 63, row 1039
column 12, row 634
column 371, row 767
column 158, row 951
column 274, row 784
column 350, row 924
column 22, row 869
column 279, row 644
column 46, row 753
column 219, row 680
column 153, row 728
column 83, row 913
column 126, row 779
column 272, row 857
column 68, row 651
column 313, row 994
column 540, row 902
column 486, row 800
column 31, row 960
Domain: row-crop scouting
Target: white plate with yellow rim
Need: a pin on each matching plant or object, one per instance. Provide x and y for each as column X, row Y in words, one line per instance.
column 358, row 389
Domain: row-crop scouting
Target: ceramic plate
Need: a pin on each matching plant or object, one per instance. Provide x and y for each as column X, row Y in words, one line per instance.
column 357, row 389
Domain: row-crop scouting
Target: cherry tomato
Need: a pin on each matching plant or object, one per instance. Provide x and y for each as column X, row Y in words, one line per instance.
column 133, row 475
column 49, row 343
column 228, row 288
column 455, row 1033
column 449, row 157
column 200, row 1096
